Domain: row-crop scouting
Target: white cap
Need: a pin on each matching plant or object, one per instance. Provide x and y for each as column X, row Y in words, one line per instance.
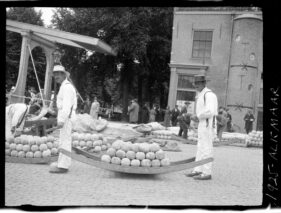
column 59, row 68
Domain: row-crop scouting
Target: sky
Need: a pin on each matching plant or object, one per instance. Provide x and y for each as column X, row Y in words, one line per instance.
column 46, row 14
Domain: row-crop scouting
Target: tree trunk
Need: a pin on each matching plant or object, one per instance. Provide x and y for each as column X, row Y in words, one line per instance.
column 125, row 100
column 125, row 90
column 149, row 93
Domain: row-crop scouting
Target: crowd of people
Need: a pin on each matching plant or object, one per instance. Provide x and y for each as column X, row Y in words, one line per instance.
column 167, row 117
column 136, row 113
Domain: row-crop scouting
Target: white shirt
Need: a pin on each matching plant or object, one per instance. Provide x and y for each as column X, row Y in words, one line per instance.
column 15, row 113
column 210, row 108
column 66, row 99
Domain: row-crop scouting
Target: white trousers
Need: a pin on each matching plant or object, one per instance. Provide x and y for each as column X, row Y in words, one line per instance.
column 204, row 146
column 95, row 115
column 65, row 143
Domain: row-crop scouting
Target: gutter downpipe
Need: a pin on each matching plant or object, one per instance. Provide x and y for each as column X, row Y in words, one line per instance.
column 227, row 80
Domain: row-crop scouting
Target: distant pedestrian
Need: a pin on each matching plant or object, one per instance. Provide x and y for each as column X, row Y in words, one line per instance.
column 167, row 117
column 175, row 114
column 109, row 111
column 184, row 122
column 162, row 114
column 249, row 120
column 94, row 112
column 145, row 113
column 158, row 114
column 87, row 105
column 133, row 111
column 184, row 107
column 152, row 114
column 32, row 94
column 229, row 121
column 221, row 123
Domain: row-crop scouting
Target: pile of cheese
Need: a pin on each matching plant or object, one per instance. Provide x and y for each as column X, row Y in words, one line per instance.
column 162, row 134
column 255, row 138
column 28, row 146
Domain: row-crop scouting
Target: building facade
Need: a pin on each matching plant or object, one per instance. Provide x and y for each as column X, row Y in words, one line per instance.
column 225, row 44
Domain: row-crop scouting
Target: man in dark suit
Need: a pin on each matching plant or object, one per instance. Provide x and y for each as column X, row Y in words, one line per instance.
column 175, row 114
column 184, row 120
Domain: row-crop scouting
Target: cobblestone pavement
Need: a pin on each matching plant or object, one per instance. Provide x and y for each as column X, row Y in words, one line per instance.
column 237, row 180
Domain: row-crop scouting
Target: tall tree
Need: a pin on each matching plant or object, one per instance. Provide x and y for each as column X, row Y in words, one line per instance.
column 140, row 34
column 13, row 47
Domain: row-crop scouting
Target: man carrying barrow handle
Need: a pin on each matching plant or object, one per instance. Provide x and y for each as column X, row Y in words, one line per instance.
column 206, row 111
column 66, row 104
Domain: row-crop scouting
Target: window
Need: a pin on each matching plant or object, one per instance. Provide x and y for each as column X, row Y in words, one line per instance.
column 202, row 44
column 186, row 90
column 185, row 82
column 186, row 95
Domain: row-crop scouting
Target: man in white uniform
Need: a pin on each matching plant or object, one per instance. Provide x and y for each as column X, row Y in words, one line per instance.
column 66, row 104
column 206, row 111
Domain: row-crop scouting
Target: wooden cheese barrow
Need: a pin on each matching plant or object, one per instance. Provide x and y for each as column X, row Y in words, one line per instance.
column 94, row 160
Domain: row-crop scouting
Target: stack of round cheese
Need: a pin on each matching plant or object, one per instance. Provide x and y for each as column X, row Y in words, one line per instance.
column 233, row 137
column 91, row 142
column 135, row 155
column 255, row 138
column 193, row 138
column 162, row 134
column 28, row 146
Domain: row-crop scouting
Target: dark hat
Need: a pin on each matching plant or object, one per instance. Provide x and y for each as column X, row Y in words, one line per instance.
column 200, row 78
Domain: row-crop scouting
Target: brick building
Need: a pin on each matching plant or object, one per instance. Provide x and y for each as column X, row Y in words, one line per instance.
column 225, row 44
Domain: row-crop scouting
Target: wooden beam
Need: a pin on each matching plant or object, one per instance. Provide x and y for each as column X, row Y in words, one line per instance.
column 13, row 29
column 59, row 40
column 61, row 36
column 43, row 41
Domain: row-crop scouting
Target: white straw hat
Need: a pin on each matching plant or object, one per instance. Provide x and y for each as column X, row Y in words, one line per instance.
column 59, row 68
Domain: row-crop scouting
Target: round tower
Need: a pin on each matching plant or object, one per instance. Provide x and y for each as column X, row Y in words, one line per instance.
column 245, row 68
